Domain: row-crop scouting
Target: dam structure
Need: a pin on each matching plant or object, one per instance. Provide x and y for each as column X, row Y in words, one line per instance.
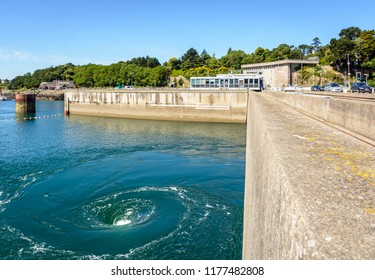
column 227, row 106
column 310, row 163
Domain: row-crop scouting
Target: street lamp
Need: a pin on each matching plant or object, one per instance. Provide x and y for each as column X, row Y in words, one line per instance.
column 131, row 77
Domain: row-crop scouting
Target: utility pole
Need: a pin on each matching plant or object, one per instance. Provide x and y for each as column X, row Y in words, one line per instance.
column 348, row 71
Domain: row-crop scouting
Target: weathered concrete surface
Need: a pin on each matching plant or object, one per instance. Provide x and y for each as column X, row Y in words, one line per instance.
column 356, row 116
column 178, row 105
column 310, row 189
column 25, row 103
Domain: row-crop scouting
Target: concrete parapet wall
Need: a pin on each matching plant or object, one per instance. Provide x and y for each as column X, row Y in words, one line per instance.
column 310, row 189
column 356, row 116
column 181, row 105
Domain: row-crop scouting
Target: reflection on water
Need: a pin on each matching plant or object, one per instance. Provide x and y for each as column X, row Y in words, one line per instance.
column 233, row 133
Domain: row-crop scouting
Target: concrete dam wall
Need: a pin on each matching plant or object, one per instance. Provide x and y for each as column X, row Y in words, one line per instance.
column 173, row 104
column 309, row 188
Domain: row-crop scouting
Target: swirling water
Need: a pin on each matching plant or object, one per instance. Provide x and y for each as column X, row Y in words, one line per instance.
column 102, row 188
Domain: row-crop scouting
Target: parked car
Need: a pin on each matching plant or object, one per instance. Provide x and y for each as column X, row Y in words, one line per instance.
column 333, row 87
column 317, row 88
column 361, row 87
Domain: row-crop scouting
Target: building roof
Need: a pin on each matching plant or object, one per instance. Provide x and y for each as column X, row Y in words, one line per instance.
column 57, row 84
column 218, row 76
column 278, row 62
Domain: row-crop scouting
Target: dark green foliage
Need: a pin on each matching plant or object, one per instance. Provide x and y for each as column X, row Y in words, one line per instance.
column 191, row 59
column 316, row 44
column 233, row 59
column 28, row 81
column 350, row 33
column 355, row 44
column 147, row 61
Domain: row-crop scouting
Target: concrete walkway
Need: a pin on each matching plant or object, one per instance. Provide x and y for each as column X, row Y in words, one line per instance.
column 310, row 189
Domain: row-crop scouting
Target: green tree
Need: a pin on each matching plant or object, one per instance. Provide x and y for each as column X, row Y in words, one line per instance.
column 233, row 59
column 305, row 49
column 205, row 57
column 365, row 45
column 340, row 50
column 213, row 63
column 174, row 63
column 260, row 55
column 316, row 44
column 350, row 33
column 84, row 75
column 191, row 59
column 158, row 76
column 147, row 61
column 296, row 53
column 282, row 51
column 152, row 62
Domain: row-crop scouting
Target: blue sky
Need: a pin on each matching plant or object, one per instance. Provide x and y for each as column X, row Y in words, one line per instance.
column 38, row 34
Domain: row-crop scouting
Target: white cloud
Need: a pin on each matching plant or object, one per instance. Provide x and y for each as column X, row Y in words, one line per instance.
column 17, row 62
column 17, row 55
column 21, row 56
column 4, row 55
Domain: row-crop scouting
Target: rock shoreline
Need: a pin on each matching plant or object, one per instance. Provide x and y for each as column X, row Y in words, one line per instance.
column 40, row 95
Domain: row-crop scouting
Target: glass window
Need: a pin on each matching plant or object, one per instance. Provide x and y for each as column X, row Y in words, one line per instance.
column 231, row 83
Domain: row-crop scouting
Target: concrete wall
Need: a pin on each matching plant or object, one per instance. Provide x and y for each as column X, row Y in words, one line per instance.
column 181, row 105
column 355, row 116
column 274, row 75
column 277, row 73
column 309, row 188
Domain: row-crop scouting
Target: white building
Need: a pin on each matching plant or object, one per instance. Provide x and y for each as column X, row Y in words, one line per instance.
column 229, row 81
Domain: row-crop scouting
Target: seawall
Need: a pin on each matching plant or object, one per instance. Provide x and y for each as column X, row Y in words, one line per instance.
column 162, row 104
column 309, row 188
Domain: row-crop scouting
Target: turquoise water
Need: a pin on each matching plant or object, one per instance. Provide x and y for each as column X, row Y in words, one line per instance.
column 102, row 188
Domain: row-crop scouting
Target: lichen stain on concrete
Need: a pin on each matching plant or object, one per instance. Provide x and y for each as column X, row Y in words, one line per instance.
column 355, row 163
column 370, row 211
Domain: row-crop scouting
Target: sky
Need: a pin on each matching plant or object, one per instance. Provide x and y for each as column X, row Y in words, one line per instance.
column 38, row 34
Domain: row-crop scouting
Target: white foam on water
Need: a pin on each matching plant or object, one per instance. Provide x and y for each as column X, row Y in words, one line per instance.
column 122, row 222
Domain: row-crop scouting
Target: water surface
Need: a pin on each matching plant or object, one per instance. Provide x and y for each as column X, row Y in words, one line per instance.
column 102, row 188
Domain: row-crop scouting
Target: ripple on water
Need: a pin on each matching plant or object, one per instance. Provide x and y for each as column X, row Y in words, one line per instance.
column 95, row 210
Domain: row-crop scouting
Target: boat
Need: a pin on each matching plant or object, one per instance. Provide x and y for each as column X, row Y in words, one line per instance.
column 3, row 98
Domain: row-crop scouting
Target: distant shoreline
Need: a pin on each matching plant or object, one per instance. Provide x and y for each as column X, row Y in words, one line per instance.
column 40, row 95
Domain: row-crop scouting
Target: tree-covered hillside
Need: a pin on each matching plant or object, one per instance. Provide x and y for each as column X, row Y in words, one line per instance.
column 353, row 45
